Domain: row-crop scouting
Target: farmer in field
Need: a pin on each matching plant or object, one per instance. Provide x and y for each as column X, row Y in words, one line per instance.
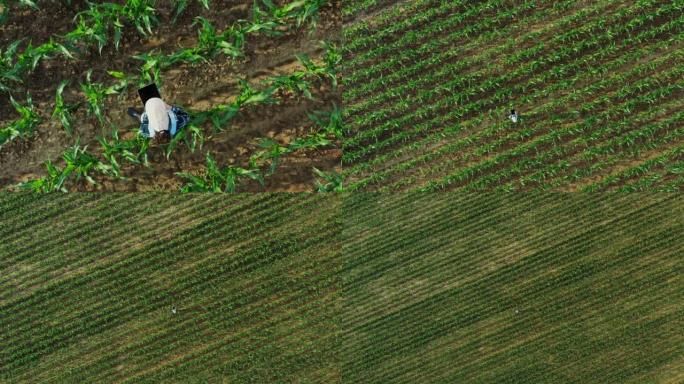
column 513, row 116
column 159, row 121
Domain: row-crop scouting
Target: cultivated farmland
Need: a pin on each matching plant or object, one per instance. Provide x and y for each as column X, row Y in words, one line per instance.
column 252, row 280
column 257, row 77
column 428, row 85
column 362, row 288
column 513, row 288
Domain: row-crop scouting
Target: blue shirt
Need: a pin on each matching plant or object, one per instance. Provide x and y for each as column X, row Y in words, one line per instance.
column 178, row 119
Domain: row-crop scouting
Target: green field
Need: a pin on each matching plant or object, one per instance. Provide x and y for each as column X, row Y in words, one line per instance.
column 88, row 283
column 363, row 288
column 428, row 85
column 549, row 288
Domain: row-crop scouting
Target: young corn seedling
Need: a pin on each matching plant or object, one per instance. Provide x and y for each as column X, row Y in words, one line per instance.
column 314, row 70
column 270, row 152
column 81, row 164
column 191, row 135
column 329, row 181
column 332, row 59
column 151, row 69
column 262, row 23
column 217, row 180
column 133, row 151
column 142, row 14
column 294, row 83
column 29, row 58
column 313, row 141
column 22, row 127
column 92, row 27
column 208, row 40
column 63, row 110
column 330, row 122
column 78, row 162
column 309, row 12
column 121, row 86
column 250, row 95
column 9, row 72
column 52, row 182
column 95, row 94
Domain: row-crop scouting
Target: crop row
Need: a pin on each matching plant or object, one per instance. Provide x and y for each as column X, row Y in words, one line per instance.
column 391, row 118
column 574, row 267
column 130, row 276
column 606, row 79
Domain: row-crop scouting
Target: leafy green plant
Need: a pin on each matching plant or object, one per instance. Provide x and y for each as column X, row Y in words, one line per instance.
column 332, row 59
column 270, row 152
column 25, row 125
column 262, row 22
column 191, row 135
column 250, row 95
column 142, row 14
column 330, row 121
column 120, row 87
column 295, row 83
column 314, row 70
column 63, row 110
column 8, row 70
column 329, row 181
column 218, row 180
column 95, row 94
column 29, row 58
column 154, row 63
column 116, row 150
column 78, row 163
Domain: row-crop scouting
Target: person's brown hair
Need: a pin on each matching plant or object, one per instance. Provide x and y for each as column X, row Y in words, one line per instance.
column 162, row 137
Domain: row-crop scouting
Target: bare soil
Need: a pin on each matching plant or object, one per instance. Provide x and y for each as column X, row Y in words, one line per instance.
column 193, row 88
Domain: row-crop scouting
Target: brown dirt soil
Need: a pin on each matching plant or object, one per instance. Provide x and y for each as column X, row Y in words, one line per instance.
column 193, row 88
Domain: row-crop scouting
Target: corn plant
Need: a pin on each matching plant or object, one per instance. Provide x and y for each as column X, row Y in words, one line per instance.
column 95, row 94
column 115, row 150
column 294, row 83
column 330, row 121
column 332, row 59
column 233, row 41
column 78, row 163
column 92, row 26
column 29, row 58
column 314, row 70
column 52, row 182
column 262, row 22
column 250, row 95
column 142, row 14
column 191, row 135
column 218, row 180
column 181, row 5
column 329, row 181
column 8, row 70
column 121, row 86
column 63, row 110
column 312, row 141
column 25, row 125
column 270, row 152
column 309, row 12
column 154, row 63
column 208, row 39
